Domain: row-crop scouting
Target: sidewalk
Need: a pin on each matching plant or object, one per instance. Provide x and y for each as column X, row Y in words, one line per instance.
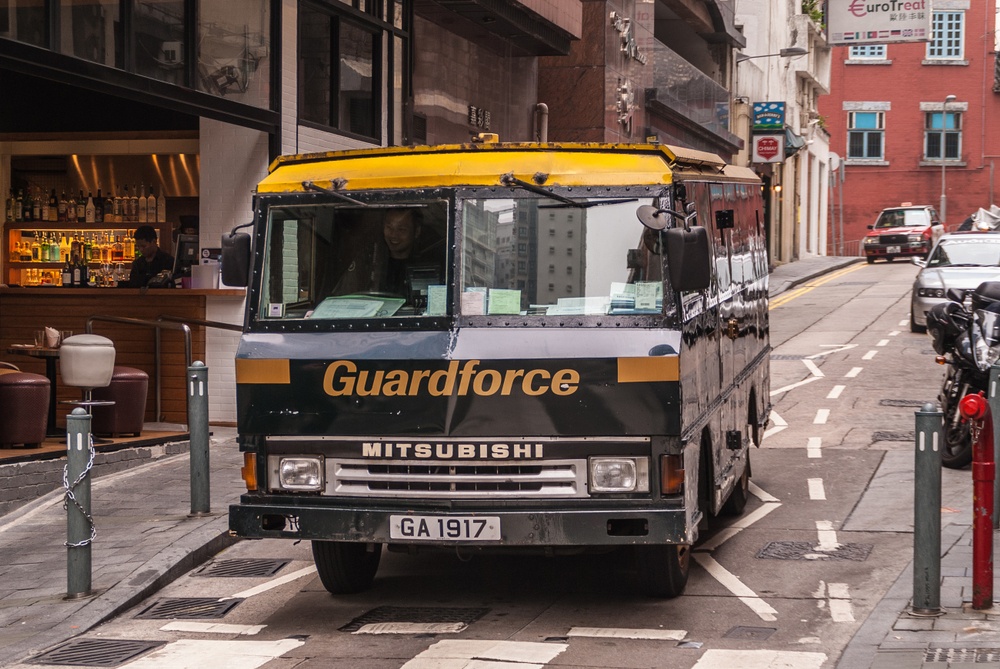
column 146, row 539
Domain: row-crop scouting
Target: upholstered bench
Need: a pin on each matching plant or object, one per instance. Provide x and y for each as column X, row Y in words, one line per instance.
column 24, row 398
column 127, row 390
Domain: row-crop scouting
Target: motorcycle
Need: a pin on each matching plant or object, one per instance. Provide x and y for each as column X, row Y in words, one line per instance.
column 967, row 340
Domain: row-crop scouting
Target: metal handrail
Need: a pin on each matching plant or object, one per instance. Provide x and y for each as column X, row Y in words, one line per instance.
column 157, row 326
column 197, row 321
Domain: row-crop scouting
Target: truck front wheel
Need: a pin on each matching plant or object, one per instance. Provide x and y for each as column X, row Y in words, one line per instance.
column 663, row 570
column 346, row 567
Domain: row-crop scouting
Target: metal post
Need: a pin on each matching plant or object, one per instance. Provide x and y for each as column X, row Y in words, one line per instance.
column 927, row 512
column 197, row 407
column 944, row 117
column 995, row 411
column 80, row 531
column 975, row 409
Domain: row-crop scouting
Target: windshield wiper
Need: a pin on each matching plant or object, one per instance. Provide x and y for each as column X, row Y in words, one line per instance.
column 510, row 180
column 309, row 185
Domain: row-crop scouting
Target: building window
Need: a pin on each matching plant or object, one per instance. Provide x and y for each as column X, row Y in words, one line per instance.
column 569, row 270
column 552, row 269
column 552, row 250
column 552, row 232
column 233, row 51
column 865, row 131
column 569, row 250
column 552, row 287
column 947, row 28
column 868, row 52
column 951, row 134
column 91, row 34
column 340, row 67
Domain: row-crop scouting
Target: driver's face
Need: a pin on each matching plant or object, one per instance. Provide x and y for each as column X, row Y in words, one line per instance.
column 400, row 233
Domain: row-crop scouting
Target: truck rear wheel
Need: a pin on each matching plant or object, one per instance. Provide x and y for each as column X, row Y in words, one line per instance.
column 346, row 567
column 663, row 570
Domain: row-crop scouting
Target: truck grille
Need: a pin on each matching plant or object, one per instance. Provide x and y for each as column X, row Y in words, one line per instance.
column 547, row 479
column 892, row 239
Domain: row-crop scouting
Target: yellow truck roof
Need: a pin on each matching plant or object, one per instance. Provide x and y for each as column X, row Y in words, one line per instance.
column 483, row 164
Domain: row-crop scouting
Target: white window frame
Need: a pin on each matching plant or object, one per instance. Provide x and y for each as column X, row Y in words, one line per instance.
column 878, row 129
column 948, row 29
column 956, row 131
column 868, row 52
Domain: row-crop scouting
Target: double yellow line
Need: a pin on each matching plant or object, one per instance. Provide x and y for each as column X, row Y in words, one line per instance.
column 785, row 298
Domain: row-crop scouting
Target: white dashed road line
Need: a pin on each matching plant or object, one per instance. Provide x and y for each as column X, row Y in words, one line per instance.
column 882, row 342
column 854, row 372
column 813, row 447
column 211, row 628
column 196, row 654
column 759, row 659
column 821, row 416
column 471, row 653
column 827, row 536
column 816, row 490
column 869, row 355
column 621, row 633
column 835, row 392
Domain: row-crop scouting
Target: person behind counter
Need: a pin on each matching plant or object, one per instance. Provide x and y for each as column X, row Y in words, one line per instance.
column 150, row 259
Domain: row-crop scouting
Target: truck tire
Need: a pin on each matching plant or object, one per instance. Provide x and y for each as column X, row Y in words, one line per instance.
column 346, row 567
column 663, row 570
column 737, row 501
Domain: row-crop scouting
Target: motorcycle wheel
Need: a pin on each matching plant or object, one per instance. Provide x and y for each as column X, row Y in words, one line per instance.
column 956, row 452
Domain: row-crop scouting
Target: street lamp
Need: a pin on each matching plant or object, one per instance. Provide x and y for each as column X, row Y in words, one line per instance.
column 944, row 106
column 790, row 52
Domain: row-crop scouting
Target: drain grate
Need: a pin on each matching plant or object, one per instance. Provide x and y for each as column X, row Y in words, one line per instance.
column 971, row 655
column 750, row 633
column 414, row 614
column 96, row 652
column 893, row 436
column 787, row 357
column 188, row 607
column 246, row 567
column 902, row 403
column 803, row 550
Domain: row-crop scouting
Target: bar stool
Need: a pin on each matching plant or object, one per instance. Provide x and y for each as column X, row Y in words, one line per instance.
column 128, row 389
column 87, row 361
column 25, row 401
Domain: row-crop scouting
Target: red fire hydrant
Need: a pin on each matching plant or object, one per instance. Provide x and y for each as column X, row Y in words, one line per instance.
column 976, row 410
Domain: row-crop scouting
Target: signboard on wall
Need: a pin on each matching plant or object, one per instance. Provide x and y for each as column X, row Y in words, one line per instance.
column 878, row 21
column 768, row 116
column 768, row 148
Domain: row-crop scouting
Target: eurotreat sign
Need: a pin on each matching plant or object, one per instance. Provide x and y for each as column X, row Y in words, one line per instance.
column 878, row 21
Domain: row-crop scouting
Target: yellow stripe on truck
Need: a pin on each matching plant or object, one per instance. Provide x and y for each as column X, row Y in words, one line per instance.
column 647, row 370
column 262, row 371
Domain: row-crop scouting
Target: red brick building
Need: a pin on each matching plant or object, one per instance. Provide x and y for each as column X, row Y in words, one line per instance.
column 885, row 111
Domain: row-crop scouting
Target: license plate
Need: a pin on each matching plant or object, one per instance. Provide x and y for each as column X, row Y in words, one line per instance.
column 892, row 249
column 445, row 528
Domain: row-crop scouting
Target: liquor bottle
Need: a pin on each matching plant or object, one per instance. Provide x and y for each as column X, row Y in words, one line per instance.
column 45, row 210
column 81, row 208
column 53, row 207
column 61, row 208
column 67, row 274
column 28, row 210
column 99, row 207
column 19, row 206
column 133, row 206
column 71, row 209
column 142, row 204
column 65, row 249
column 151, row 206
column 118, row 250
column 36, row 251
column 76, row 271
column 161, row 207
column 84, row 273
column 109, row 207
column 88, row 248
column 91, row 212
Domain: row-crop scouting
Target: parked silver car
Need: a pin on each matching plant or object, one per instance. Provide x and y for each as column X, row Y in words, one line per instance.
column 960, row 260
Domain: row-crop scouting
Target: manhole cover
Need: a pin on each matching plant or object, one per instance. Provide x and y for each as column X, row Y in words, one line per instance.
column 96, row 652
column 902, row 403
column 247, row 567
column 893, row 436
column 188, row 607
column 750, row 633
column 416, row 614
column 787, row 357
column 971, row 655
column 803, row 550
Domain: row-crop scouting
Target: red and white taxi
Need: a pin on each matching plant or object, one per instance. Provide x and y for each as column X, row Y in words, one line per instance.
column 906, row 230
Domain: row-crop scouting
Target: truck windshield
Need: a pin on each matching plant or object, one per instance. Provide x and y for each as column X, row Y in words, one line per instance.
column 530, row 256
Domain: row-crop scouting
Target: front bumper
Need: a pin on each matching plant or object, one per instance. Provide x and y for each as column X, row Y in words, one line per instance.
column 521, row 528
column 921, row 305
column 907, row 249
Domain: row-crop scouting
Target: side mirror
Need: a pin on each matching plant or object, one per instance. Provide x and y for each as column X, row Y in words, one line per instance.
column 236, row 259
column 955, row 295
column 689, row 258
column 918, row 261
column 871, row 227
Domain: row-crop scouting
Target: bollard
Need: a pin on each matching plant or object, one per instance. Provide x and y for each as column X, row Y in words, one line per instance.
column 975, row 409
column 197, row 407
column 80, row 530
column 927, row 512
column 995, row 410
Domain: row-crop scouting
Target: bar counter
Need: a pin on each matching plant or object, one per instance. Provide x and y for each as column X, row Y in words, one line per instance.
column 25, row 310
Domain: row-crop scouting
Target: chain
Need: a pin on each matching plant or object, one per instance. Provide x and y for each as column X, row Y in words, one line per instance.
column 70, row 497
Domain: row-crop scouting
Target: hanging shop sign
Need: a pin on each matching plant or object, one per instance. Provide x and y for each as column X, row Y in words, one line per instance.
column 878, row 21
column 479, row 117
column 768, row 116
column 768, row 148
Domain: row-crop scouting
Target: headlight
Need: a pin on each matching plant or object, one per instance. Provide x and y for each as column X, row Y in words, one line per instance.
column 619, row 475
column 871, row 240
column 915, row 238
column 300, row 473
column 930, row 292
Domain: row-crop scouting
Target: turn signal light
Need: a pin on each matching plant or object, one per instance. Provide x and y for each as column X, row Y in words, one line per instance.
column 249, row 471
column 671, row 474
column 940, row 359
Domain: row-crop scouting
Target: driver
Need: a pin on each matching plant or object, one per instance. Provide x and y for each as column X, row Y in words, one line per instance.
column 401, row 230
